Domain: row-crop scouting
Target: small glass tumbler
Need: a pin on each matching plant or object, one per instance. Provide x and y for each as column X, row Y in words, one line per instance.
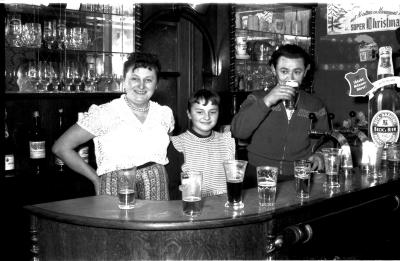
column 302, row 175
column 126, row 181
column 191, row 192
column 332, row 162
column 291, row 103
column 393, row 157
column 267, row 177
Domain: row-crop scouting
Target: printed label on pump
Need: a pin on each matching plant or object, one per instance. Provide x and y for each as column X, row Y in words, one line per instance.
column 384, row 127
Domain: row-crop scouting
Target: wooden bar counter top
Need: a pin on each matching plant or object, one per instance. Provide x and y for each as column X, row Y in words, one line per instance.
column 94, row 228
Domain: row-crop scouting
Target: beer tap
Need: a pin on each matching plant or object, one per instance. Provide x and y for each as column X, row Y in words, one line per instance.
column 338, row 139
column 320, row 134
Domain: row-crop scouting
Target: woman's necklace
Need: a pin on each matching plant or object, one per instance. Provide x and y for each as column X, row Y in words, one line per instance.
column 135, row 108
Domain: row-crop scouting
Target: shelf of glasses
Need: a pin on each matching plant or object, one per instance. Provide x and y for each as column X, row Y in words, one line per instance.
column 266, row 35
column 58, row 51
column 84, row 10
column 34, row 95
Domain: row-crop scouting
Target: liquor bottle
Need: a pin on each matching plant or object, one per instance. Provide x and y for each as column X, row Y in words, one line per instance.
column 384, row 106
column 58, row 163
column 37, row 146
column 83, row 149
column 9, row 151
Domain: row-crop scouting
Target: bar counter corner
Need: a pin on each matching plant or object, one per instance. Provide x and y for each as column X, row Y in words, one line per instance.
column 94, row 228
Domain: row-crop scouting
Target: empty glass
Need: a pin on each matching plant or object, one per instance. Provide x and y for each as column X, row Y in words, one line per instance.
column 49, row 34
column 332, row 162
column 13, row 30
column 302, row 174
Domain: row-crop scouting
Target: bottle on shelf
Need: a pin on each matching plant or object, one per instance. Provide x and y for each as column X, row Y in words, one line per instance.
column 384, row 106
column 37, row 146
column 9, row 151
column 58, row 163
column 83, row 149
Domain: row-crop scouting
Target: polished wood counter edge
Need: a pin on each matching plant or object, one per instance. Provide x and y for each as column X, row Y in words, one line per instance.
column 103, row 211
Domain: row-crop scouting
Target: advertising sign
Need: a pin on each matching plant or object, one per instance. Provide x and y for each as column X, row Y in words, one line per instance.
column 348, row 18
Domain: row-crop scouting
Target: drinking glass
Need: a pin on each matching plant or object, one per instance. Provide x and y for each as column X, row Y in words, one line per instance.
column 69, row 77
column 68, row 39
column 266, row 179
column 41, row 85
column 291, row 103
column 191, row 192
column 346, row 162
column 234, row 172
column 302, row 174
column 61, row 33
column 375, row 158
column 393, row 157
column 49, row 76
column 332, row 162
column 77, row 38
column 13, row 30
column 126, row 188
column 48, row 35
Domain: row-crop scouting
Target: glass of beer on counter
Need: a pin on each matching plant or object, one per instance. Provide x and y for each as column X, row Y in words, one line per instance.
column 266, row 179
column 191, row 192
column 332, row 163
column 126, row 182
column 302, row 175
column 234, row 171
column 393, row 157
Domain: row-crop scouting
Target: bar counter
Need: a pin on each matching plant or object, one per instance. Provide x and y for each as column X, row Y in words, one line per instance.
column 94, row 228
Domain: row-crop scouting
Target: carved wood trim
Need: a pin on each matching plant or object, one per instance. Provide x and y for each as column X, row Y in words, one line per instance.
column 138, row 27
column 33, row 231
column 231, row 72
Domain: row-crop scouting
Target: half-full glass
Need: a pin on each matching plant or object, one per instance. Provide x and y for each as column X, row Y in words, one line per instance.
column 126, row 188
column 266, row 179
column 234, row 172
column 191, row 192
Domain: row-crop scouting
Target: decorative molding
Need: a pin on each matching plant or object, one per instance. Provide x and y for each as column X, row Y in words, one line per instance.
column 138, row 27
column 232, row 58
column 33, row 230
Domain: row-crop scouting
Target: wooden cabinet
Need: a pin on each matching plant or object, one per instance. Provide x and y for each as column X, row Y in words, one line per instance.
column 66, row 56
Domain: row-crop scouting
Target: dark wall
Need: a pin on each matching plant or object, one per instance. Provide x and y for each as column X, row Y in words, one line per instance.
column 337, row 55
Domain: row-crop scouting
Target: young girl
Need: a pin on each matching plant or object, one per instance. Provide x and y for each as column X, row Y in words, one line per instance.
column 201, row 148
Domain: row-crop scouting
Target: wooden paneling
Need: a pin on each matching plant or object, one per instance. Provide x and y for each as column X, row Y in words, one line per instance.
column 361, row 210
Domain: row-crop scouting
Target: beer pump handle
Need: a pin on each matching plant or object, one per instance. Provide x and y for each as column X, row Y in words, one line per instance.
column 352, row 115
column 311, row 131
column 331, row 116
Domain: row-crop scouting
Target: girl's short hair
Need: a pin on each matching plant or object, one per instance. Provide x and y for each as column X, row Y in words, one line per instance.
column 143, row 60
column 205, row 96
